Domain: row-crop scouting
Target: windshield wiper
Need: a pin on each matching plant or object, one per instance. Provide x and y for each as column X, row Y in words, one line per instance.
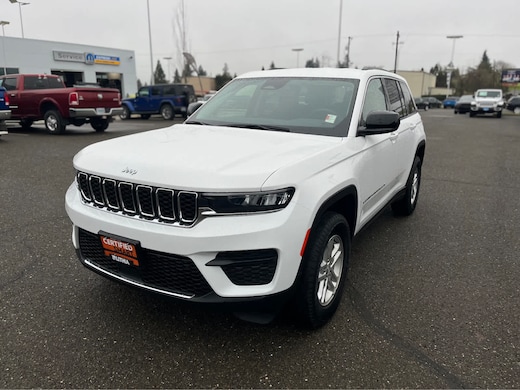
column 258, row 127
column 197, row 123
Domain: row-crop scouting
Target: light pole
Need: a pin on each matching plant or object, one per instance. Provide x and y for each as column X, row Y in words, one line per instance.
column 150, row 39
column 451, row 67
column 339, row 30
column 168, row 59
column 397, row 43
column 298, row 50
column 20, row 3
column 4, row 23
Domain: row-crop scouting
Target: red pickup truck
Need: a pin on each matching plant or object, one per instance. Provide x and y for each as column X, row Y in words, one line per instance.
column 42, row 96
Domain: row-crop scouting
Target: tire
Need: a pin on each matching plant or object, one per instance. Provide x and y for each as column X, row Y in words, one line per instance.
column 472, row 114
column 54, row 122
column 126, row 113
column 406, row 205
column 324, row 272
column 26, row 123
column 99, row 124
column 517, row 110
column 167, row 112
column 499, row 114
column 145, row 116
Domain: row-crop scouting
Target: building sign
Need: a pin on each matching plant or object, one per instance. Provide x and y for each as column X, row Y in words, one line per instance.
column 87, row 58
column 106, row 60
column 510, row 77
column 68, row 56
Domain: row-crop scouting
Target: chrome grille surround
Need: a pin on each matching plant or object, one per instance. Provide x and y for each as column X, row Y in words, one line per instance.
column 158, row 204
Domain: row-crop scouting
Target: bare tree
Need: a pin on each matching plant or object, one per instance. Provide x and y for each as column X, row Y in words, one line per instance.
column 180, row 35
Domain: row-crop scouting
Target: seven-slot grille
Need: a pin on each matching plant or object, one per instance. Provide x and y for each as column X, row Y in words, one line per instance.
column 153, row 203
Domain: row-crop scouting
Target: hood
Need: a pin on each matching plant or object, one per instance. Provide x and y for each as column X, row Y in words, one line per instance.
column 200, row 158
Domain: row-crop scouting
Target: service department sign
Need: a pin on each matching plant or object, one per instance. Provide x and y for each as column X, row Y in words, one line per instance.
column 68, row 56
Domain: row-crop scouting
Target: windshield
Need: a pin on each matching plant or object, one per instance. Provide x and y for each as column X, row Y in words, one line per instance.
column 303, row 105
column 489, row 94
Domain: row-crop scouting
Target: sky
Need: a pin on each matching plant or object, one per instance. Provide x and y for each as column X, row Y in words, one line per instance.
column 247, row 35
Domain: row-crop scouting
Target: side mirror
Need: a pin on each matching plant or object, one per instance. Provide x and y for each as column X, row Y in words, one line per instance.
column 380, row 122
column 193, row 107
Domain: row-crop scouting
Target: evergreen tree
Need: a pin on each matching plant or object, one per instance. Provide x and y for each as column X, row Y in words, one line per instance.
column 177, row 76
column 224, row 78
column 272, row 66
column 484, row 75
column 201, row 71
column 312, row 63
column 158, row 76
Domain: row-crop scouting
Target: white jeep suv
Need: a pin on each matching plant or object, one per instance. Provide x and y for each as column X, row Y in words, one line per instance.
column 254, row 200
column 487, row 101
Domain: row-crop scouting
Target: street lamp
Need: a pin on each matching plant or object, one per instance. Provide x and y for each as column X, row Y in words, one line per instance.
column 298, row 50
column 4, row 23
column 168, row 59
column 451, row 67
column 20, row 3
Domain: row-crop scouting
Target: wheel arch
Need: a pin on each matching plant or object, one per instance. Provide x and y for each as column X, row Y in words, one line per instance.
column 344, row 202
column 49, row 104
column 421, row 149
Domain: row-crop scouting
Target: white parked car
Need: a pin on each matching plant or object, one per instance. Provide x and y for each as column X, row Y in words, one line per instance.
column 254, row 200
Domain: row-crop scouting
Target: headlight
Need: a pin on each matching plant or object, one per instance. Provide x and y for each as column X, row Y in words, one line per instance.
column 248, row 202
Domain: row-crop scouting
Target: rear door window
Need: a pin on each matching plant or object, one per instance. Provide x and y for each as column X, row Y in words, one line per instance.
column 408, row 99
column 9, row 83
column 394, row 97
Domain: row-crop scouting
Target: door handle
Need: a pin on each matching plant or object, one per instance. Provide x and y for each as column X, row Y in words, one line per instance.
column 393, row 136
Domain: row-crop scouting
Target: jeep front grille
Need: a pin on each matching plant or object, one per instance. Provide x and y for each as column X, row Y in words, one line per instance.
column 148, row 202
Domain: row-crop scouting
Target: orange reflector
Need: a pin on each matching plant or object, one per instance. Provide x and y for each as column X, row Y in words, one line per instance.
column 305, row 242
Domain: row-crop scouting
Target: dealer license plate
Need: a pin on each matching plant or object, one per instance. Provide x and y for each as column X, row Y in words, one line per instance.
column 119, row 249
column 100, row 111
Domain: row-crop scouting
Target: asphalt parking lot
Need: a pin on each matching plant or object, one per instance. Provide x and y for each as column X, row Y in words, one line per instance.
column 433, row 300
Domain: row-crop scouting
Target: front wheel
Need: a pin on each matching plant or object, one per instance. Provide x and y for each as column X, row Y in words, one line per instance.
column 406, row 205
column 325, row 264
column 99, row 124
column 167, row 112
column 125, row 114
column 499, row 114
column 54, row 122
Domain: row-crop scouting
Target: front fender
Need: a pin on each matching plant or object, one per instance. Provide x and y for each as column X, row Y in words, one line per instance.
column 129, row 104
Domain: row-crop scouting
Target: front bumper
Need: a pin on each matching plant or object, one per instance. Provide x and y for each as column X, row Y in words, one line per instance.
column 486, row 109
column 92, row 112
column 214, row 261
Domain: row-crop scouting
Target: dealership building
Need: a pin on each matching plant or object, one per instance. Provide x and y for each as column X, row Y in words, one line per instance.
column 77, row 64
